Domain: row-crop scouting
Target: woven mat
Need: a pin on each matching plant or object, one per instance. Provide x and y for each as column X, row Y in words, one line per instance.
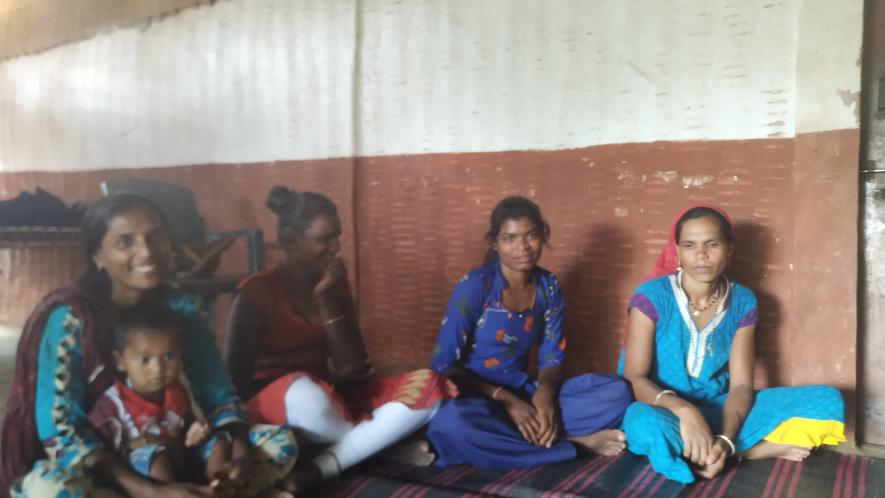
column 823, row 474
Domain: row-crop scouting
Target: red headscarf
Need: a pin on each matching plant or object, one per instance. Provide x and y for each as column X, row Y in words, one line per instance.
column 667, row 261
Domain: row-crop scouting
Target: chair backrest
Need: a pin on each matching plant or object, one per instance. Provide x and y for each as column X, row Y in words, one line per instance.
column 177, row 203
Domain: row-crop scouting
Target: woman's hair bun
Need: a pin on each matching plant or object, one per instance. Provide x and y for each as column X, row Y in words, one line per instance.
column 281, row 199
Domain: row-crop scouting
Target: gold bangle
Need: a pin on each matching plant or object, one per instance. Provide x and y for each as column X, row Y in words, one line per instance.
column 665, row 391
column 496, row 391
column 332, row 321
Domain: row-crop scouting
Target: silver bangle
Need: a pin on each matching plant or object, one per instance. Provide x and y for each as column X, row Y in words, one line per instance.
column 727, row 441
column 332, row 321
column 665, row 391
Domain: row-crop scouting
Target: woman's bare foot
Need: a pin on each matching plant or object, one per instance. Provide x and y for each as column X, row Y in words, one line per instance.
column 303, row 478
column 608, row 442
column 766, row 449
column 411, row 451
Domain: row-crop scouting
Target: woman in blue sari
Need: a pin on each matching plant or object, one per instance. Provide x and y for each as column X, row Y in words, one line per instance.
column 503, row 418
column 689, row 357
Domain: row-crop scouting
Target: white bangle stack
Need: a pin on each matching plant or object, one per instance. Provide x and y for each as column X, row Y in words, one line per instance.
column 728, row 442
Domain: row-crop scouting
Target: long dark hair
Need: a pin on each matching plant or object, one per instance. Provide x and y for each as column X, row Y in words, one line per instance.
column 93, row 229
column 297, row 210
column 513, row 208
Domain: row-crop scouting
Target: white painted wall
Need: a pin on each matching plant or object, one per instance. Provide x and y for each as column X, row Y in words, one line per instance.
column 829, row 64
column 236, row 81
column 487, row 76
column 261, row 80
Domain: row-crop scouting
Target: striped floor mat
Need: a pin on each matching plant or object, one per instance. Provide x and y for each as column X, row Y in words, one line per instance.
column 823, row 474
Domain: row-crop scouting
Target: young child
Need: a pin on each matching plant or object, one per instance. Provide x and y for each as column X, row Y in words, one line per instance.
column 145, row 413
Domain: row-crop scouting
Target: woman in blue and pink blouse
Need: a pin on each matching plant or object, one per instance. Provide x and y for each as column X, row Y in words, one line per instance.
column 504, row 418
column 64, row 363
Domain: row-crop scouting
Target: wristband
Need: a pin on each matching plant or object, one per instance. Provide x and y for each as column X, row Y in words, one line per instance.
column 496, row 391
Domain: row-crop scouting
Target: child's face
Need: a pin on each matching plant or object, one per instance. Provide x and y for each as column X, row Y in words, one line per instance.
column 151, row 359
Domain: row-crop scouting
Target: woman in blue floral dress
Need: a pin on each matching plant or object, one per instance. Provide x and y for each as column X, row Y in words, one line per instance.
column 504, row 418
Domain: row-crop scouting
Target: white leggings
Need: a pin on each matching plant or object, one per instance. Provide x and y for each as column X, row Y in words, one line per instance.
column 309, row 409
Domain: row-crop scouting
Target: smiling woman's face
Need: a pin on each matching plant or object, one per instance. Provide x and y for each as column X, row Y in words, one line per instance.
column 135, row 253
column 702, row 249
column 317, row 246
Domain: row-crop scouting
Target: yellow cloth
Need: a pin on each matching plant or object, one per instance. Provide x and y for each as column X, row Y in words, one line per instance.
column 807, row 432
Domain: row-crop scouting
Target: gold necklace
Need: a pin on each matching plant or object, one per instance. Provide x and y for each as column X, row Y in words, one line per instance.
column 695, row 311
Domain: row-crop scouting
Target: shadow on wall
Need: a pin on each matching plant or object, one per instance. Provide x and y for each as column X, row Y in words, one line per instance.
column 606, row 262
column 748, row 266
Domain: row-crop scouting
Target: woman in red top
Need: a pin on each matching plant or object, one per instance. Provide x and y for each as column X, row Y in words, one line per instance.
column 294, row 349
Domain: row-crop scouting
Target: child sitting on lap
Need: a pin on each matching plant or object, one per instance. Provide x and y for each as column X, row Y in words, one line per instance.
column 145, row 413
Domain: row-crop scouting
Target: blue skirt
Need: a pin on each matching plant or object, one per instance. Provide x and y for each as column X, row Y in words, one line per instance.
column 654, row 431
column 477, row 431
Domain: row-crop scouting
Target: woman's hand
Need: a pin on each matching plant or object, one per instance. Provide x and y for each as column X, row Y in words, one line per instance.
column 332, row 273
column 233, row 477
column 110, row 466
column 715, row 460
column 696, row 437
column 523, row 415
column 549, row 425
